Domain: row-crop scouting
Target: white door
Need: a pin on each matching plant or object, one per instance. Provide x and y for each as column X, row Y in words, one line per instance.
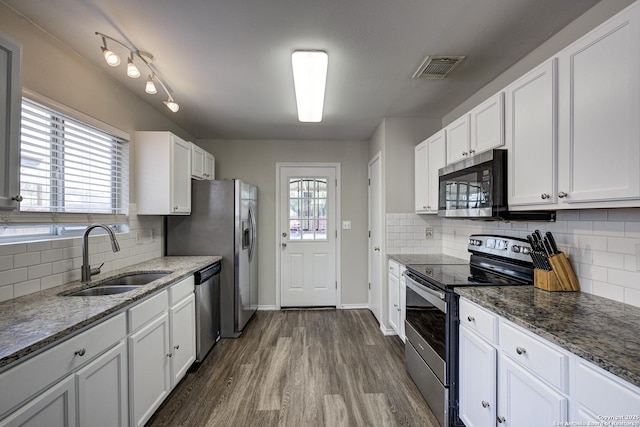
column 458, row 137
column 375, row 236
column 308, row 235
column 182, row 320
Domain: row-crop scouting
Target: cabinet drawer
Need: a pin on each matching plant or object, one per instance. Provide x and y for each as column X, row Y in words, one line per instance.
column 535, row 354
column 600, row 393
column 394, row 268
column 181, row 290
column 37, row 373
column 147, row 310
column 479, row 320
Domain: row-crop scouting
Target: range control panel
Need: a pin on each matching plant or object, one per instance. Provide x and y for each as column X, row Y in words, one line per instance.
column 503, row 246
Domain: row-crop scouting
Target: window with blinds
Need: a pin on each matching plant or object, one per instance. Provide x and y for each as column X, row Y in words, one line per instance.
column 71, row 173
column 69, row 166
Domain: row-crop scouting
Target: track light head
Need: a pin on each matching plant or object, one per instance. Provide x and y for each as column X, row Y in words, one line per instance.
column 132, row 70
column 150, row 88
column 172, row 105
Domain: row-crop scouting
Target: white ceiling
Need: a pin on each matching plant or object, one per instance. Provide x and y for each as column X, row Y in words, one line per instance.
column 228, row 63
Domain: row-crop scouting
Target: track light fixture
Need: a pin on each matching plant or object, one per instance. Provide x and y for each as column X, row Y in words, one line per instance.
column 113, row 59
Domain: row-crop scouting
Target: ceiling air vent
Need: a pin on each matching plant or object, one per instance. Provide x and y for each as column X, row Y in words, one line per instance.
column 437, row 67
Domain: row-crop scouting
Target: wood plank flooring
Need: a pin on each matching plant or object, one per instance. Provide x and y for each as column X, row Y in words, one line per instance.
column 300, row 368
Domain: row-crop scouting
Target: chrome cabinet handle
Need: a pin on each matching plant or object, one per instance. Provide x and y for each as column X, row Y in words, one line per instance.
column 472, row 151
column 175, row 208
column 177, row 347
column 284, row 245
column 18, row 198
column 170, row 355
column 485, row 404
column 80, row 352
column 471, row 318
column 562, row 195
column 544, row 196
column 377, row 249
column 464, row 153
column 521, row 350
column 501, row 420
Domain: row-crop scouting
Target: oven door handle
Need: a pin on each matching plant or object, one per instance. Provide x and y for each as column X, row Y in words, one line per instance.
column 435, row 298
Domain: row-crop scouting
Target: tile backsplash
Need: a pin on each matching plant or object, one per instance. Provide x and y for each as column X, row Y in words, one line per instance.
column 603, row 245
column 30, row 267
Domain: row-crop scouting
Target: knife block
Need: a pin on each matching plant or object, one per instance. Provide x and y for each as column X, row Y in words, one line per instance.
column 560, row 278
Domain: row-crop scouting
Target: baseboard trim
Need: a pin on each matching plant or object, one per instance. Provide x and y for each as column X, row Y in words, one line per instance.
column 387, row 331
column 354, row 306
column 266, row 308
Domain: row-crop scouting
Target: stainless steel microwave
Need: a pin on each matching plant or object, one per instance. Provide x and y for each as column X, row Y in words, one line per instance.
column 476, row 188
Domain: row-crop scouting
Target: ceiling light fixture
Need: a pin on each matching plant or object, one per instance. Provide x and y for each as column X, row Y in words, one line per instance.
column 309, row 80
column 133, row 71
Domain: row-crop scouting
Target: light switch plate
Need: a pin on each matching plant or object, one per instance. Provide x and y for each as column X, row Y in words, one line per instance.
column 346, row 225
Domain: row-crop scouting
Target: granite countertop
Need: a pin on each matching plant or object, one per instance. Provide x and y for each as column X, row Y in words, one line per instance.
column 34, row 321
column 600, row 330
column 406, row 259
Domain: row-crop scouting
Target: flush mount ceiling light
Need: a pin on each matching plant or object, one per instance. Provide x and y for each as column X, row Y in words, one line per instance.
column 113, row 59
column 309, row 80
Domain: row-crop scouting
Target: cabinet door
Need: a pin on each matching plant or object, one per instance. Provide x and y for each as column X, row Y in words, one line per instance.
column 487, row 124
column 209, row 166
column 531, row 137
column 437, row 159
column 181, row 178
column 524, row 400
column 56, row 407
column 10, row 99
column 182, row 318
column 197, row 162
column 394, row 314
column 599, row 149
column 403, row 304
column 102, row 390
column 478, row 377
column 149, row 377
column 422, row 177
column 457, row 134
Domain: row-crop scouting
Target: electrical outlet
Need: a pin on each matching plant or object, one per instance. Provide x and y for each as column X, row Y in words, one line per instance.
column 428, row 232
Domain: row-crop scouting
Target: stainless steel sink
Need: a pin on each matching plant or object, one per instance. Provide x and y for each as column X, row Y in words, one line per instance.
column 103, row 290
column 135, row 279
column 119, row 285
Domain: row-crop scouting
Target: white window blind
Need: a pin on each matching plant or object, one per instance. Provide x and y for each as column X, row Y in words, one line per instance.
column 70, row 170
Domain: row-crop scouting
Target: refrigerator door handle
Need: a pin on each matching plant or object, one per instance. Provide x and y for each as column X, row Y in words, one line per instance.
column 252, row 238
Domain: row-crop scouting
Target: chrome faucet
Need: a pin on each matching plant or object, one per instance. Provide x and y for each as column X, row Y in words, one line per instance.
column 86, row 269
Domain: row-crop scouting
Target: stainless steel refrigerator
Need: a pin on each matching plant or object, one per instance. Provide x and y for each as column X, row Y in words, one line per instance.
column 223, row 222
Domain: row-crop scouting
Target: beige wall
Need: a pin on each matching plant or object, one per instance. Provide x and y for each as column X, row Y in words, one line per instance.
column 255, row 162
column 572, row 32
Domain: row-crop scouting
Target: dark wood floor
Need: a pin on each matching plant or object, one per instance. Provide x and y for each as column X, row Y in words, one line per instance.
column 300, row 368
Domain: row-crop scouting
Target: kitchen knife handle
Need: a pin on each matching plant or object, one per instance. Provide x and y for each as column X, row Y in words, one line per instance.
column 552, row 242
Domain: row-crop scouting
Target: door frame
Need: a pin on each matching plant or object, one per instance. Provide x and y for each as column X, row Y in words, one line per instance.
column 337, row 213
column 376, row 157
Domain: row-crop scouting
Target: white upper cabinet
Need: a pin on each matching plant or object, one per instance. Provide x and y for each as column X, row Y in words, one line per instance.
column 530, row 128
column 209, row 166
column 10, row 99
column 163, row 174
column 487, row 125
column 599, row 127
column 197, row 162
column 458, row 139
column 430, row 156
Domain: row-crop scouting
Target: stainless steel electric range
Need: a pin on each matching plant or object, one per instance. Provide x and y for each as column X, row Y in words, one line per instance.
column 432, row 321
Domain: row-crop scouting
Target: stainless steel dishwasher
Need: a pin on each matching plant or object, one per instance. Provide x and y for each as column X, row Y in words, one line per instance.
column 207, row 289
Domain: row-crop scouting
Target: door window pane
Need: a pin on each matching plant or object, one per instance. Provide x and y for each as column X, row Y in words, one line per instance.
column 307, row 208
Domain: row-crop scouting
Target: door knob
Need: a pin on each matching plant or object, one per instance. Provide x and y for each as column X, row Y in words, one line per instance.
column 284, row 245
column 377, row 249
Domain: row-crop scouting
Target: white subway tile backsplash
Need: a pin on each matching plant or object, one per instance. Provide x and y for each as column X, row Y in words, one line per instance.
column 593, row 215
column 622, row 245
column 38, row 271
column 6, row 262
column 607, row 259
column 629, row 279
column 25, row 288
column 632, row 296
column 10, row 277
column 26, row 259
column 6, row 293
column 13, row 249
column 608, row 290
column 608, row 228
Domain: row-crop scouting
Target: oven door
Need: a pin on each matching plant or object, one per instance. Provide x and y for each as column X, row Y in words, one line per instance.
column 474, row 187
column 425, row 353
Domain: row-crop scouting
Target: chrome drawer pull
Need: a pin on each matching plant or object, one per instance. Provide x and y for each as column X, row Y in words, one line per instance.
column 471, row 318
column 502, row 420
column 485, row 404
column 80, row 352
column 521, row 350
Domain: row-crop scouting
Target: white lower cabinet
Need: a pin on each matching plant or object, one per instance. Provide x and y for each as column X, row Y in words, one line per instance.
column 182, row 318
column 394, row 302
column 149, row 369
column 402, row 304
column 56, row 407
column 102, row 390
column 523, row 399
column 478, row 376
column 516, row 378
